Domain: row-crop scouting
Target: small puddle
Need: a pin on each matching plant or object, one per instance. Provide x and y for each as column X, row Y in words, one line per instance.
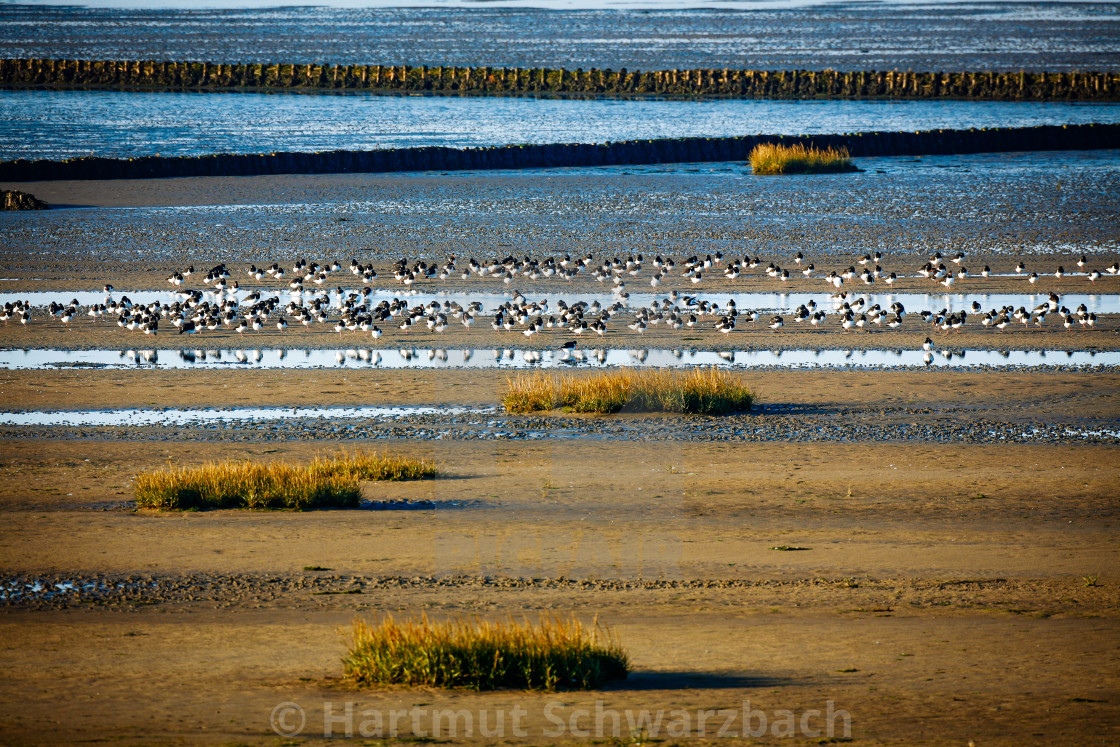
column 498, row 358
column 12, row 590
column 1101, row 433
column 173, row 417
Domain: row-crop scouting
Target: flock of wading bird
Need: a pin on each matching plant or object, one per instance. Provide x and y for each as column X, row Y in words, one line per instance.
column 222, row 303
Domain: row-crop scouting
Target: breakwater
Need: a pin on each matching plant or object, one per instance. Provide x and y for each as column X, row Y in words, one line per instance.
column 677, row 150
column 788, row 84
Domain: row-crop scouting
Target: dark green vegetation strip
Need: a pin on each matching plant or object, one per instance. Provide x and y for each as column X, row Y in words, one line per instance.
column 676, row 150
column 795, row 84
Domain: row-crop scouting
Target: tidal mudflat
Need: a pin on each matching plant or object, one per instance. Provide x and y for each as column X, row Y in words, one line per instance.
column 903, row 532
column 996, row 208
column 918, row 545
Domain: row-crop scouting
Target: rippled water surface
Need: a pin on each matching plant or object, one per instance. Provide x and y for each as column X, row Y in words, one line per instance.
column 411, row 358
column 63, row 124
column 645, row 34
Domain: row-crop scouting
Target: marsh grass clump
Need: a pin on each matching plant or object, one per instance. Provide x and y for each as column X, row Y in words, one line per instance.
column 769, row 159
column 377, row 466
column 553, row 654
column 246, row 485
column 329, row 481
column 700, row 391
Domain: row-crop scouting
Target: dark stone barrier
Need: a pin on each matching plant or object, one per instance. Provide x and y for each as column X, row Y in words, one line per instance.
column 678, row 150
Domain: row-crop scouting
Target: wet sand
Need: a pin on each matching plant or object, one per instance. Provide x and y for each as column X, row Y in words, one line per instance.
column 84, row 334
column 1057, row 394
column 919, row 606
column 965, row 678
column 996, row 208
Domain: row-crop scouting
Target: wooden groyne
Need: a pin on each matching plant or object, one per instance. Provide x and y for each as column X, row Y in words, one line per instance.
column 678, row 150
column 774, row 84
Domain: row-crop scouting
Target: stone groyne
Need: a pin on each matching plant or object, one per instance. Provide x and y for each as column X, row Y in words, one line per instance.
column 776, row 84
column 678, row 150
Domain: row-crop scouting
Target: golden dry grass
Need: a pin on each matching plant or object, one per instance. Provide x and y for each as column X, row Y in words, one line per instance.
column 553, row 654
column 771, row 158
column 377, row 466
column 329, row 481
column 699, row 391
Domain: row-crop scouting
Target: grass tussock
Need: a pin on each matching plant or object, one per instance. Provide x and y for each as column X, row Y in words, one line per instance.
column 554, row 654
column 700, row 391
column 770, row 158
column 377, row 466
column 329, row 481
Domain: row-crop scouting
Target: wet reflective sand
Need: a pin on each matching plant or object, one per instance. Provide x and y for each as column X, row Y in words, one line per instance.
column 590, row 357
column 996, row 208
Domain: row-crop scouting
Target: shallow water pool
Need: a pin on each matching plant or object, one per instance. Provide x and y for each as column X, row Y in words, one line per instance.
column 498, row 358
column 173, row 416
